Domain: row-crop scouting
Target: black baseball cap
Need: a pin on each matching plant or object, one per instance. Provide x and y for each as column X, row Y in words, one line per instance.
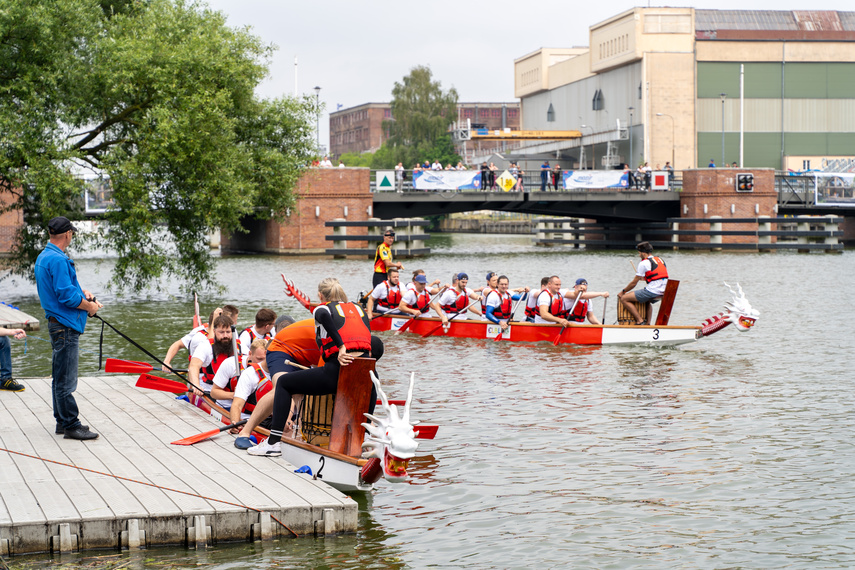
column 60, row 225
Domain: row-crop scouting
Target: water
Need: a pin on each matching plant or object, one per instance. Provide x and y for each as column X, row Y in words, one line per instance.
column 735, row 451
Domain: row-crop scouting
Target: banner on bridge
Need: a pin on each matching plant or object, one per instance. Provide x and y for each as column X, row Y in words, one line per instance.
column 575, row 179
column 447, row 180
column 834, row 188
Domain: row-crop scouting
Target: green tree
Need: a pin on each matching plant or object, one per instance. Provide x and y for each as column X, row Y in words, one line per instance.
column 422, row 113
column 158, row 96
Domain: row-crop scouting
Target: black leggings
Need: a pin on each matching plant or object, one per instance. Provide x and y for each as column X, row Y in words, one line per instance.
column 313, row 382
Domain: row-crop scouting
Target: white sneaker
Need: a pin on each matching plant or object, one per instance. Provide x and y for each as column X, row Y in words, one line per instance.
column 265, row 449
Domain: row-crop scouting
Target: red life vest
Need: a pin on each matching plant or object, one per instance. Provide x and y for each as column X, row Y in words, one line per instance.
column 556, row 305
column 657, row 269
column 349, row 323
column 458, row 305
column 532, row 312
column 264, row 386
column 484, row 293
column 422, row 301
column 393, row 296
column 210, row 371
column 253, row 336
column 580, row 311
column 503, row 311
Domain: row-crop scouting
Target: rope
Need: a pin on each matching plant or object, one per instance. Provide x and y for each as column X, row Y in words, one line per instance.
column 149, row 485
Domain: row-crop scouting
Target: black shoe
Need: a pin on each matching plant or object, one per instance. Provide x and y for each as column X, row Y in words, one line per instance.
column 11, row 386
column 61, row 430
column 81, row 433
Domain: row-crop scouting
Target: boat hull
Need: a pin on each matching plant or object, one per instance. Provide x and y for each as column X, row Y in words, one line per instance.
column 576, row 333
column 339, row 471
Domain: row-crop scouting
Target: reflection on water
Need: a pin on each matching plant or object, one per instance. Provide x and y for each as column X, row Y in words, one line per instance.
column 731, row 452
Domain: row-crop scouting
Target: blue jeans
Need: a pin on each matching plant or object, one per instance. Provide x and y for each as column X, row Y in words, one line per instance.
column 5, row 358
column 65, row 342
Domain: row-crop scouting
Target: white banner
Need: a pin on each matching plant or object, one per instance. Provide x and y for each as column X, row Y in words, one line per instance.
column 447, row 180
column 595, row 179
column 835, row 188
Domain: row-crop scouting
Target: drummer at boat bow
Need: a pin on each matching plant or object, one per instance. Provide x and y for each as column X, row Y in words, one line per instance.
column 652, row 269
column 383, row 258
column 584, row 308
column 209, row 356
column 500, row 302
column 455, row 299
column 386, row 296
column 342, row 334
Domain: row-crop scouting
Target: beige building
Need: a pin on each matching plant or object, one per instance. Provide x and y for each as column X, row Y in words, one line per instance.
column 664, row 84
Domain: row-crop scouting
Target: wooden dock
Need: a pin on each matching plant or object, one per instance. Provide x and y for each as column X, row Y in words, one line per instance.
column 14, row 318
column 49, row 504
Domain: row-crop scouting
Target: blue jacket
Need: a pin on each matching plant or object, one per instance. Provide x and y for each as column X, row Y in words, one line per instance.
column 59, row 292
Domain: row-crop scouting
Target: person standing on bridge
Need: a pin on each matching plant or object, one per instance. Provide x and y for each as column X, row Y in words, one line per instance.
column 383, row 258
column 67, row 306
column 544, row 175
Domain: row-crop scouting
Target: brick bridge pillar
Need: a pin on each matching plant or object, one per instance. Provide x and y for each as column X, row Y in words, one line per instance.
column 709, row 192
column 322, row 194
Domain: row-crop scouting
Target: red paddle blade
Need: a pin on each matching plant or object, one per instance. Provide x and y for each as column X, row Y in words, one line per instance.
column 196, row 438
column 396, row 402
column 425, row 432
column 116, row 365
column 162, row 384
column 427, row 334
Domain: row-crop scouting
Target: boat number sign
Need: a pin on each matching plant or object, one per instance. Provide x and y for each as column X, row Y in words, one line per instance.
column 495, row 330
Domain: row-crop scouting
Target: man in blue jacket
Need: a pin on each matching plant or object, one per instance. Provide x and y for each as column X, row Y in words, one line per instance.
column 66, row 307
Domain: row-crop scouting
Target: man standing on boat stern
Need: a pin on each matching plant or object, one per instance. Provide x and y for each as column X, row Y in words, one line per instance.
column 66, row 306
column 383, row 258
column 652, row 270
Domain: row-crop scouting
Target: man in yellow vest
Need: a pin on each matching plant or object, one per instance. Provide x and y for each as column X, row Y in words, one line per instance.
column 383, row 258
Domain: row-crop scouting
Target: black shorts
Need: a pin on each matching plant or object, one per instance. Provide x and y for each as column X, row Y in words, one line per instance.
column 276, row 362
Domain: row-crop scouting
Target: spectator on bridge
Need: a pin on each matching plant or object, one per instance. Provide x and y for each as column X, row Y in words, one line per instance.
column 449, row 166
column 669, row 168
column 544, row 175
column 485, row 176
column 630, row 179
column 711, row 164
column 399, row 177
column 325, row 163
column 493, row 170
column 556, row 177
column 460, row 166
column 437, row 165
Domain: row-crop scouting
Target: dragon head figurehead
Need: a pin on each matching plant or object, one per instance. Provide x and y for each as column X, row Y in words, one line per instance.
column 391, row 439
column 739, row 313
column 739, row 310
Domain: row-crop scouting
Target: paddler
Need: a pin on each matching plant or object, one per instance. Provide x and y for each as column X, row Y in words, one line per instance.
column 343, row 333
column 263, row 328
column 416, row 300
column 499, row 303
column 252, row 386
column 455, row 299
column 386, row 296
column 550, row 304
column 652, row 269
column 383, row 258
column 531, row 302
column 191, row 340
column 492, row 285
column 209, row 356
column 584, row 308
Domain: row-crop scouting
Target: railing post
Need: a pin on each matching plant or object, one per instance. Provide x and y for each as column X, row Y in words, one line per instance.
column 339, row 230
column 831, row 227
column 675, row 237
column 764, row 224
column 715, row 227
column 802, row 226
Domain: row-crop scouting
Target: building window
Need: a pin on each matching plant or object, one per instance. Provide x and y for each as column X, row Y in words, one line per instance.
column 512, row 113
column 550, row 114
column 598, row 103
column 387, row 113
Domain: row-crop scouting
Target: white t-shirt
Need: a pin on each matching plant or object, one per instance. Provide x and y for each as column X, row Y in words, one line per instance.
column 246, row 385
column 192, row 339
column 204, row 352
column 531, row 301
column 410, row 296
column 225, row 372
column 245, row 342
column 586, row 303
column 494, row 299
column 450, row 295
column 656, row 287
column 545, row 298
column 381, row 292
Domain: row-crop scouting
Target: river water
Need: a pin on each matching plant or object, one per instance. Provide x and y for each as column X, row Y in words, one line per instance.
column 735, row 451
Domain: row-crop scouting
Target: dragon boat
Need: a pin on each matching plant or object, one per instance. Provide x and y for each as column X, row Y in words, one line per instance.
column 738, row 312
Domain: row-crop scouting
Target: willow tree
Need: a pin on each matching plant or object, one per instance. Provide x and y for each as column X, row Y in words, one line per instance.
column 159, row 96
column 422, row 113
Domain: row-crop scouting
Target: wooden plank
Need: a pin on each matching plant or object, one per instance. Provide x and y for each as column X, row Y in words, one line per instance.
column 667, row 303
column 352, row 400
column 14, row 318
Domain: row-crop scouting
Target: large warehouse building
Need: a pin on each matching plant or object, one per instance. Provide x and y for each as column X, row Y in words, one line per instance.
column 663, row 84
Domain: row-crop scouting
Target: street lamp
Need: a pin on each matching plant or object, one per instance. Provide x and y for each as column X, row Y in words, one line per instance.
column 631, row 109
column 723, row 97
column 673, row 140
column 318, row 106
column 593, row 153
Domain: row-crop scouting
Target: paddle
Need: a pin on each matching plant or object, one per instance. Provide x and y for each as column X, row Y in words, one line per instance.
column 203, row 436
column 558, row 338
column 163, row 384
column 425, row 432
column 389, row 314
column 605, row 302
column 130, row 340
column 114, row 365
column 440, row 325
column 412, row 320
column 513, row 310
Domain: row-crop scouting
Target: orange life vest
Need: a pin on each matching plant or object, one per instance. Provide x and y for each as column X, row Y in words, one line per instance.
column 264, row 386
column 503, row 311
column 580, row 311
column 657, row 269
column 422, row 301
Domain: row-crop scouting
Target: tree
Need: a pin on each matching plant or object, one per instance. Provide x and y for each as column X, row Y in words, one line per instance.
column 421, row 113
column 159, row 97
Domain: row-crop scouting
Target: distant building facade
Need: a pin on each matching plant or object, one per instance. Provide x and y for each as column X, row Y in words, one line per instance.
column 665, row 83
column 360, row 129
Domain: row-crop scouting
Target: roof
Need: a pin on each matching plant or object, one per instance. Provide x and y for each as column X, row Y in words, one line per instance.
column 779, row 20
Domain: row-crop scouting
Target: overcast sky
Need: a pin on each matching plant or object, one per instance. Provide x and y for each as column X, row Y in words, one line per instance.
column 356, row 51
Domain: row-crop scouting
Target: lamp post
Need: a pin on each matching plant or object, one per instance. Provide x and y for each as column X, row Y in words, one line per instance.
column 593, row 154
column 723, row 97
column 318, row 106
column 630, row 136
column 673, row 140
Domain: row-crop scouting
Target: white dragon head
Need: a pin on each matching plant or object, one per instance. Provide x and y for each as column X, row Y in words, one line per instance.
column 391, row 439
column 739, row 310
